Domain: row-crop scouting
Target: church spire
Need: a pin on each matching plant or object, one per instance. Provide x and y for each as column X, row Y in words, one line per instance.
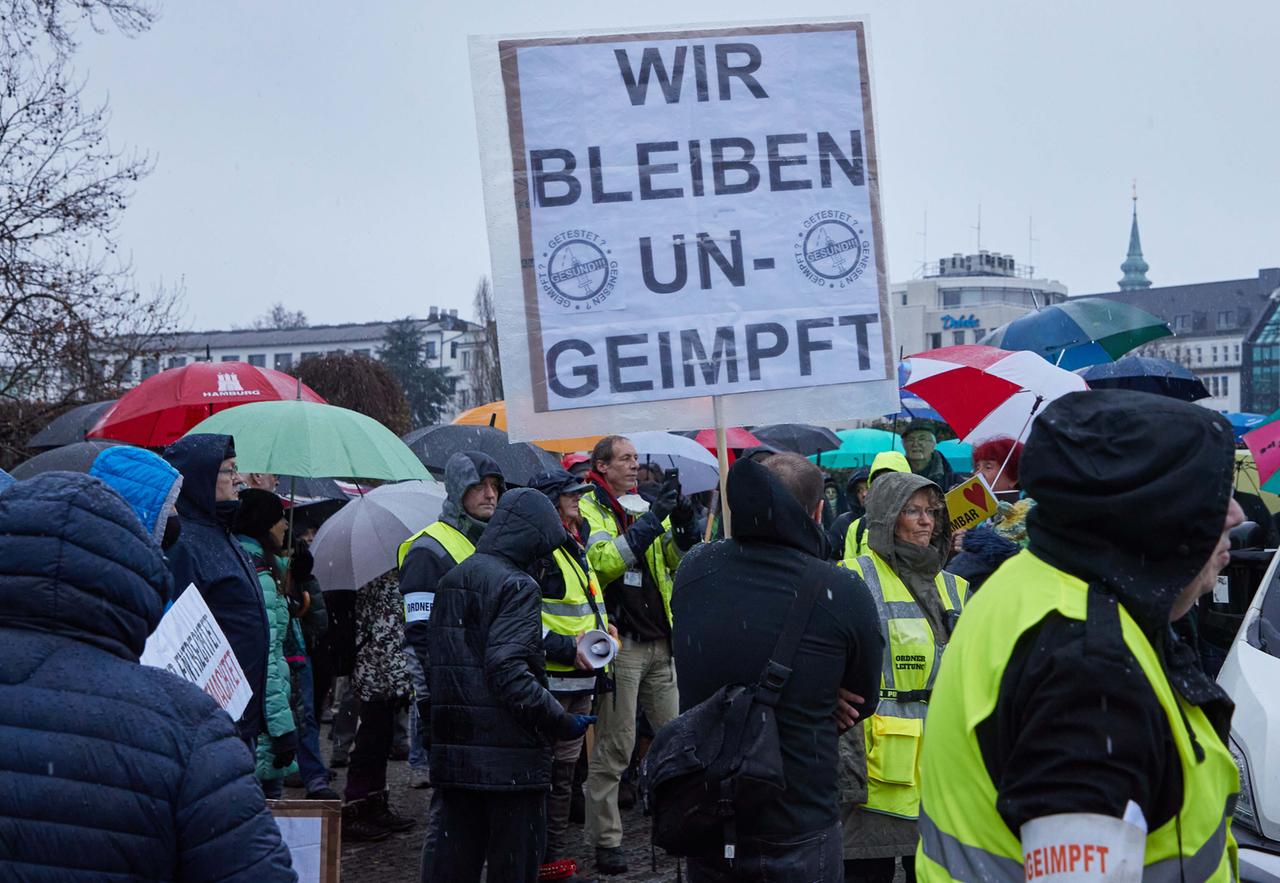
column 1134, row 267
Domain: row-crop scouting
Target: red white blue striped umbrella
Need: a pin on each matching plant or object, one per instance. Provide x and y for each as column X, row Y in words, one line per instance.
column 983, row 392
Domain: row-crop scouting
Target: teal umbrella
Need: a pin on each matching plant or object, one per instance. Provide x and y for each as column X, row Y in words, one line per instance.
column 958, row 454
column 858, row 447
column 313, row 440
column 1080, row 332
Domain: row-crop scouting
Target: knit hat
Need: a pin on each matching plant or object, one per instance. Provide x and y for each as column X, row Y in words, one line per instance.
column 259, row 512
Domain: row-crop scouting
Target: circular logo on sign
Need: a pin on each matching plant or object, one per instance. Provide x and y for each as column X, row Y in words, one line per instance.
column 832, row 249
column 577, row 270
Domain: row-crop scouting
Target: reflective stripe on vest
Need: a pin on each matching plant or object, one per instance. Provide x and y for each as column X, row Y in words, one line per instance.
column 962, row 835
column 455, row 544
column 894, row 733
column 572, row 614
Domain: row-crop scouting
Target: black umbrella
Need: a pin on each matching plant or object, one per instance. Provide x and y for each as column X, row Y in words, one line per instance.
column 519, row 461
column 69, row 427
column 800, row 438
column 414, row 434
column 1146, row 374
column 68, row 458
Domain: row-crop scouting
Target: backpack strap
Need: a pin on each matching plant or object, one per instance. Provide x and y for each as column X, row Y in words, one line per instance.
column 777, row 670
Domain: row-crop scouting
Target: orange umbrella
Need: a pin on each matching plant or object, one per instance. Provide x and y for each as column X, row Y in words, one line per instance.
column 495, row 414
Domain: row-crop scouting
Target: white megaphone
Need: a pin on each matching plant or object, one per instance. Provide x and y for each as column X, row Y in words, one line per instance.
column 598, row 647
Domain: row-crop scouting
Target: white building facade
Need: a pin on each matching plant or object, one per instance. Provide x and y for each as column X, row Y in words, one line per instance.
column 963, row 298
column 451, row 343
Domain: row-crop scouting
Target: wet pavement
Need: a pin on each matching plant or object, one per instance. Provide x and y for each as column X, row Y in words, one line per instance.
column 397, row 857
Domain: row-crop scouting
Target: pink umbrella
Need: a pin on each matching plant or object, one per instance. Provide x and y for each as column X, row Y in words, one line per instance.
column 984, row 392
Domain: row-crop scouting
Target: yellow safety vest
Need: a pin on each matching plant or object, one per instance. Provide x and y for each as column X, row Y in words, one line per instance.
column 610, row 554
column 417, row 605
column 572, row 614
column 855, row 546
column 912, row 653
column 962, row 836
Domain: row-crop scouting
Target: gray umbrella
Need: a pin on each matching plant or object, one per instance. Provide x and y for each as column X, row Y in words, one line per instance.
column 519, row 461
column 68, row 458
column 69, row 427
column 359, row 543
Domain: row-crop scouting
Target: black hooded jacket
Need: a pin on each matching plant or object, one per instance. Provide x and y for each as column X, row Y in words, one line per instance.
column 729, row 603
column 1131, row 495
column 208, row 555
column 492, row 719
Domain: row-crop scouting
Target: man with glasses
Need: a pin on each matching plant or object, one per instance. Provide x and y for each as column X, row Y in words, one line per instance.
column 208, row 556
column 634, row 547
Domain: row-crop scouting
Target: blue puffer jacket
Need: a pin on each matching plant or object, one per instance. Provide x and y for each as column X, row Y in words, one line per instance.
column 109, row 770
column 207, row 555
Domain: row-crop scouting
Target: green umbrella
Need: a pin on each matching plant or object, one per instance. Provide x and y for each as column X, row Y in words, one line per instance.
column 313, row 440
column 1080, row 332
column 858, row 447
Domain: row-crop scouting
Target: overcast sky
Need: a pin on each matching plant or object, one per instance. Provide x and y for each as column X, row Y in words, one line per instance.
column 324, row 154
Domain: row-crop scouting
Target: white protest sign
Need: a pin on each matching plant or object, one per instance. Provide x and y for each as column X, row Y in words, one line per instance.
column 189, row 643
column 681, row 214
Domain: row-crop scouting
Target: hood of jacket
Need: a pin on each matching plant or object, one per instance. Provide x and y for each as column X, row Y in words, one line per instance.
column 857, row 475
column 888, row 495
column 75, row 561
column 146, row 482
column 1131, row 490
column 524, row 528
column 198, row 457
column 463, row 471
column 893, row 461
column 765, row 511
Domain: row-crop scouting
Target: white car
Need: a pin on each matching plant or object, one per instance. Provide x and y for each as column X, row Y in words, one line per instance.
column 1251, row 675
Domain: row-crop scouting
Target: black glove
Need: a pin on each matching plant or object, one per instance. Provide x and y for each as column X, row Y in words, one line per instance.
column 302, row 564
column 667, row 499
column 574, row 725
column 284, row 749
column 682, row 515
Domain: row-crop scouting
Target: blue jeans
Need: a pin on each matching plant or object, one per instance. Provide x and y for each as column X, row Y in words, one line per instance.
column 315, row 775
column 417, row 754
column 785, row 858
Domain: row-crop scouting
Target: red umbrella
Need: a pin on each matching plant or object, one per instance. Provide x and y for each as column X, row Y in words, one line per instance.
column 734, row 437
column 160, row 409
column 983, row 392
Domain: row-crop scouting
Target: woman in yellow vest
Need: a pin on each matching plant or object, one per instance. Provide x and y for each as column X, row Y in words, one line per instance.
column 1074, row 736
column 908, row 536
column 572, row 605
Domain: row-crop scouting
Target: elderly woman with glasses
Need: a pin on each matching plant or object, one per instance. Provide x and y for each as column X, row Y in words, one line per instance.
column 918, row 602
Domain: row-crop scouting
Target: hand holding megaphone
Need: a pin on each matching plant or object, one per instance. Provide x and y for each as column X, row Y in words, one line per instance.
column 596, row 648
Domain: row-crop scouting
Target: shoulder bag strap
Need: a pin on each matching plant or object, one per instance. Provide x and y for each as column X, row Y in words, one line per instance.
column 778, row 669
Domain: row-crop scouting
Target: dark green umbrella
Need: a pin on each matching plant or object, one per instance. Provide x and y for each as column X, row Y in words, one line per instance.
column 1080, row 332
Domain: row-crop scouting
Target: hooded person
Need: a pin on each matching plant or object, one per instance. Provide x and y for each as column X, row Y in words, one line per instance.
column 730, row 602
column 148, row 484
column 853, row 537
column 112, row 770
column 908, row 535
column 1068, row 711
column 473, row 484
column 492, row 718
column 208, row 556
column 855, row 492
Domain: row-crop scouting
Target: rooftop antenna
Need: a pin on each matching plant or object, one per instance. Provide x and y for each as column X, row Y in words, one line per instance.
column 979, row 227
column 1031, row 241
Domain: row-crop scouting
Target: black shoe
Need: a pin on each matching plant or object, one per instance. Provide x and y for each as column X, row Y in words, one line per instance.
column 610, row 860
column 338, row 762
column 381, row 814
column 323, row 793
column 356, row 826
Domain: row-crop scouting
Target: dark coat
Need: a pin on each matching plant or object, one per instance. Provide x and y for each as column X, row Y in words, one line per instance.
column 208, row 555
column 1077, row 727
column 982, row 551
column 729, row 603
column 111, row 770
column 492, row 719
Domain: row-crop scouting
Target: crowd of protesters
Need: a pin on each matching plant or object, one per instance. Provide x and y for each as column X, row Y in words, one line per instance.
column 599, row 598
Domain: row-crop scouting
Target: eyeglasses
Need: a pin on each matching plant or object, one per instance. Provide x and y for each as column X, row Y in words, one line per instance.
column 920, row 512
column 232, row 471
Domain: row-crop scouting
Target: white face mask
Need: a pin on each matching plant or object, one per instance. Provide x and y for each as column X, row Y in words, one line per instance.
column 633, row 504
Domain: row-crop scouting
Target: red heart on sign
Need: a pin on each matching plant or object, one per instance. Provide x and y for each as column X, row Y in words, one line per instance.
column 975, row 495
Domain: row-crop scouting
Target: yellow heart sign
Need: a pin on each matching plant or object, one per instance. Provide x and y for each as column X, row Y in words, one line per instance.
column 970, row 504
